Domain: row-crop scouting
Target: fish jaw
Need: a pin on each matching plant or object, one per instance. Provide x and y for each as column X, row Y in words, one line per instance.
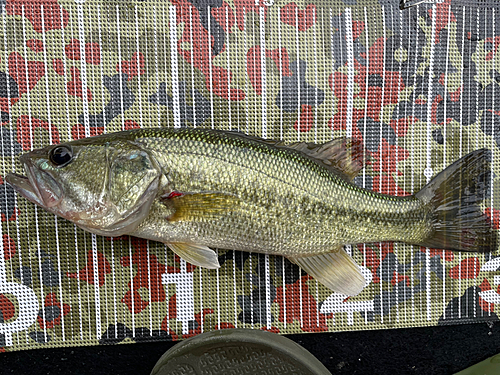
column 37, row 186
column 23, row 186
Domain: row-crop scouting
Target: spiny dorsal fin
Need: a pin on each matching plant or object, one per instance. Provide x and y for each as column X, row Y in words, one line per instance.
column 343, row 156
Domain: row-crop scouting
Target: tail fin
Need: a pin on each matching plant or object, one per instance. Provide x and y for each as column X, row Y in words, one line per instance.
column 453, row 195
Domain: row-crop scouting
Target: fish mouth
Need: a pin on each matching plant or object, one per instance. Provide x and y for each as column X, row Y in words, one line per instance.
column 37, row 186
column 23, row 186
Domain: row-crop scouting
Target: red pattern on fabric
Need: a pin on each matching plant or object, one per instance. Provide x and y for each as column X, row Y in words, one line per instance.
column 13, row 216
column 372, row 259
column 467, row 269
column 92, row 53
column 485, row 285
column 493, row 216
column 51, row 300
column 305, row 121
column 17, row 70
column 9, row 247
column 281, row 59
column 176, row 269
column 485, row 306
column 197, row 37
column 72, row 50
column 245, row 6
column 25, row 129
column 6, row 104
column 386, row 185
column 302, row 19
column 397, row 278
column 36, row 45
column 78, row 131
column 220, row 85
column 130, row 124
column 495, row 42
column 385, row 161
column 172, row 306
column 443, row 16
column 387, row 157
column 58, row 66
column 448, row 255
column 224, row 16
column 53, row 15
column 254, row 65
column 372, row 95
column 7, row 308
column 148, row 276
column 254, row 71
column 198, row 317
column 438, row 99
column 310, row 315
column 75, row 86
column 134, row 67
column 134, row 301
column 87, row 273
column 401, row 126
column 224, row 325
column 357, row 29
column 455, row 96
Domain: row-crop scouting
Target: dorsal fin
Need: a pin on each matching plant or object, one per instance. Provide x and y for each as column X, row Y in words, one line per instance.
column 343, row 156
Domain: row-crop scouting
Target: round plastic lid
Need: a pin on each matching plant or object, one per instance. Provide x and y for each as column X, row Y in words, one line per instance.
column 238, row 351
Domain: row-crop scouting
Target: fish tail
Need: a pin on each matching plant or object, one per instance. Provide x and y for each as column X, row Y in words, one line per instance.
column 458, row 223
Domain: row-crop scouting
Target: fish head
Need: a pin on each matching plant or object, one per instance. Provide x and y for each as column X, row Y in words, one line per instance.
column 103, row 185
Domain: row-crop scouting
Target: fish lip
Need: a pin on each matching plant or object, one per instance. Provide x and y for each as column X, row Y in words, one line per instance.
column 32, row 190
column 29, row 168
column 22, row 185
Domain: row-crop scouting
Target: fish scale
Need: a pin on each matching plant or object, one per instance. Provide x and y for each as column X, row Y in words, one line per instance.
column 317, row 208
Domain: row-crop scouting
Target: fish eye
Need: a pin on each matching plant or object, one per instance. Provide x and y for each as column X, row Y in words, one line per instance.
column 60, row 156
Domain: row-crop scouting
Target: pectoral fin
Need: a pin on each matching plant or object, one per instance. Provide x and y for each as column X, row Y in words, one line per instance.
column 196, row 206
column 195, row 254
column 335, row 270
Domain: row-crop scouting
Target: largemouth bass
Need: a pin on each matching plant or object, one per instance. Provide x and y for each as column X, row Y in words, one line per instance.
column 194, row 189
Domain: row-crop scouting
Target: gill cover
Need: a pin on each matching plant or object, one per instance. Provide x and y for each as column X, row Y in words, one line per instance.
column 131, row 186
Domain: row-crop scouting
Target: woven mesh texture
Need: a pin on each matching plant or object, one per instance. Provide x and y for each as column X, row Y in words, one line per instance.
column 419, row 88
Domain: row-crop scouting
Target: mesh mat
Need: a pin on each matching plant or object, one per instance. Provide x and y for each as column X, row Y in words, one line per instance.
column 419, row 87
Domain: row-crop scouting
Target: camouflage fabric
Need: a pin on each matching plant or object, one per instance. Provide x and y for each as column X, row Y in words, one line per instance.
column 418, row 87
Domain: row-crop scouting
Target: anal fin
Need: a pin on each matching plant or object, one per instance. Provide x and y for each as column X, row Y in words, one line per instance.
column 195, row 254
column 336, row 270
